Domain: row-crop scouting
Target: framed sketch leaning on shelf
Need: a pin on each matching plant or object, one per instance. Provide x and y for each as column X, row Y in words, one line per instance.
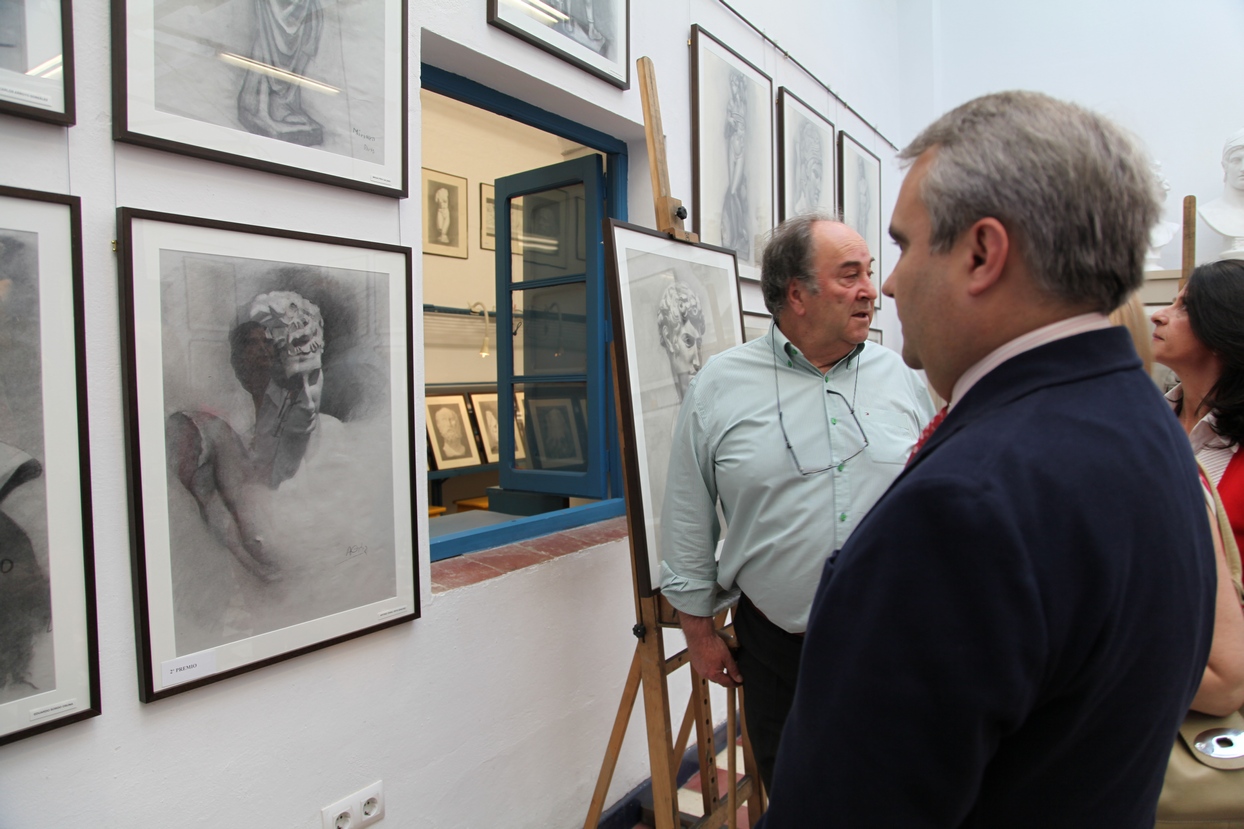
column 308, row 88
column 594, row 35
column 485, row 406
column 859, row 193
column 270, row 421
column 450, row 433
column 36, row 60
column 49, row 649
column 731, row 150
column 675, row 304
column 805, row 158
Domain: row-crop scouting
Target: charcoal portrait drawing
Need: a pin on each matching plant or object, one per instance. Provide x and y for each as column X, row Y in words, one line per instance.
column 305, row 72
column 588, row 23
column 279, row 443
column 26, row 652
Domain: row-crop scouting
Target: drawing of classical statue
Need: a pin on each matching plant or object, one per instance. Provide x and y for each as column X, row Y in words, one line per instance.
column 1226, row 213
column 449, row 430
column 735, row 232
column 863, row 197
column 442, row 215
column 809, row 168
column 287, row 37
column 680, row 323
column 25, row 595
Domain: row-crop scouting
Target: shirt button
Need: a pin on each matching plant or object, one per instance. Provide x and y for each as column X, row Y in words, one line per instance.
column 841, row 466
column 833, row 421
column 842, row 517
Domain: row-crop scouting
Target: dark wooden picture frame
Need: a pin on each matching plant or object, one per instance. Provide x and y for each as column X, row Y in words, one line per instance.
column 452, row 438
column 256, row 543
column 218, row 103
column 731, row 150
column 49, row 640
column 807, row 168
column 651, row 278
column 44, row 90
column 445, row 200
column 594, row 45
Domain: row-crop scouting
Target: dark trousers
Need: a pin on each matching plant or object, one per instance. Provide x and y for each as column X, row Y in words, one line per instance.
column 768, row 658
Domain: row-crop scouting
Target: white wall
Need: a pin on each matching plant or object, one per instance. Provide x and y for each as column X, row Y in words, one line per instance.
column 1163, row 70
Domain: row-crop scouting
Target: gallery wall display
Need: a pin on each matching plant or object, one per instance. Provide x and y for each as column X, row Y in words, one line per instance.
column 558, row 440
column 731, row 150
column 755, row 325
column 675, row 304
column 269, row 393
column 49, row 653
column 36, row 60
column 859, row 194
column 805, row 158
column 314, row 90
column 445, row 214
column 450, row 432
column 594, row 35
column 487, row 217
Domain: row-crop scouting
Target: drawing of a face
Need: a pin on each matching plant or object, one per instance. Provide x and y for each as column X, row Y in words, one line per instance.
column 680, row 325
column 295, row 327
column 447, row 426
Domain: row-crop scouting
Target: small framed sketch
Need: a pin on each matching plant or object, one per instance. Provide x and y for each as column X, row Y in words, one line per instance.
column 49, row 644
column 545, row 229
column 731, row 150
column 755, row 325
column 859, row 193
column 557, row 436
column 675, row 304
column 36, row 60
column 486, row 415
column 875, row 335
column 269, row 423
column 487, row 217
column 313, row 90
column 805, row 158
column 594, row 35
column 444, row 214
column 449, row 430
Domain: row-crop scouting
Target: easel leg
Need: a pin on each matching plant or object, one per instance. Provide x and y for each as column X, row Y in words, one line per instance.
column 756, row 804
column 656, row 714
column 625, row 707
column 702, row 705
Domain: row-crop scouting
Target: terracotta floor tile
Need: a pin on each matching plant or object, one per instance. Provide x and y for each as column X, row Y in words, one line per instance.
column 510, row 557
column 459, row 572
column 602, row 533
column 557, row 544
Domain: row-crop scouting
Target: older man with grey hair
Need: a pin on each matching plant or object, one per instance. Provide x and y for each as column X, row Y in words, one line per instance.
column 1012, row 635
column 796, row 434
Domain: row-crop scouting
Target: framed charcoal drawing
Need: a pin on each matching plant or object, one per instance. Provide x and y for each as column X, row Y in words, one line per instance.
column 805, row 158
column 859, row 194
column 270, row 424
column 444, row 214
column 675, row 304
column 731, row 150
column 49, row 652
column 308, row 88
column 594, row 35
column 36, row 60
column 558, row 441
column 755, row 325
column 487, row 217
column 486, row 415
column 450, row 433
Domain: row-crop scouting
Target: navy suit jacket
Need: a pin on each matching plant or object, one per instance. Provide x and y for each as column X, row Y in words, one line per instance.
column 1012, row 635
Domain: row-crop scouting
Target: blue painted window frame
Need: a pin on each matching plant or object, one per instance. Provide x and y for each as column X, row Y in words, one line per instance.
column 615, row 206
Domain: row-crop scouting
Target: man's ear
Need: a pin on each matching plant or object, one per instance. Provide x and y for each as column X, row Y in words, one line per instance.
column 988, row 245
column 795, row 292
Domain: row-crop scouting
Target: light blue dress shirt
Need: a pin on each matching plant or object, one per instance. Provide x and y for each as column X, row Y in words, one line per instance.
column 728, row 445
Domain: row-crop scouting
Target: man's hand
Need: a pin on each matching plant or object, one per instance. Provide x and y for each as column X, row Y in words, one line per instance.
column 709, row 655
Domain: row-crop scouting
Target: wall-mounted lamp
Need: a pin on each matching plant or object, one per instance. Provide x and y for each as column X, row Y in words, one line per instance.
column 483, row 352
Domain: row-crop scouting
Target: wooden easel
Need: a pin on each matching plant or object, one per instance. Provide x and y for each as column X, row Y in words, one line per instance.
column 650, row 666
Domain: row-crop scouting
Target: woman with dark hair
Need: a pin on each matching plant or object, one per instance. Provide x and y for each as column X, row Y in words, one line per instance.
column 1200, row 336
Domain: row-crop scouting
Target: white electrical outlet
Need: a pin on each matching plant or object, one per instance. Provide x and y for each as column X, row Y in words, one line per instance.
column 341, row 815
column 356, row 811
column 370, row 804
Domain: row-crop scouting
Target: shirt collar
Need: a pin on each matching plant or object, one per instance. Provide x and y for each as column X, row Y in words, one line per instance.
column 1203, row 434
column 1044, row 335
column 784, row 348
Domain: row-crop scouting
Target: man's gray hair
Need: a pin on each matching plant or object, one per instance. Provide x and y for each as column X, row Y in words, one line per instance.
column 789, row 254
column 1073, row 189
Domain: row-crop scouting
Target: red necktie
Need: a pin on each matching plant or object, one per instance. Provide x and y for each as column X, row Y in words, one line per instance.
column 928, row 432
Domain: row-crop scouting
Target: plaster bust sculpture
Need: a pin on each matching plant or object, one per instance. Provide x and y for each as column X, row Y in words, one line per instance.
column 1162, row 232
column 1226, row 214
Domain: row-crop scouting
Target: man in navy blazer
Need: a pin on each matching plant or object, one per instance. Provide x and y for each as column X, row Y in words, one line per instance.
column 1012, row 635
